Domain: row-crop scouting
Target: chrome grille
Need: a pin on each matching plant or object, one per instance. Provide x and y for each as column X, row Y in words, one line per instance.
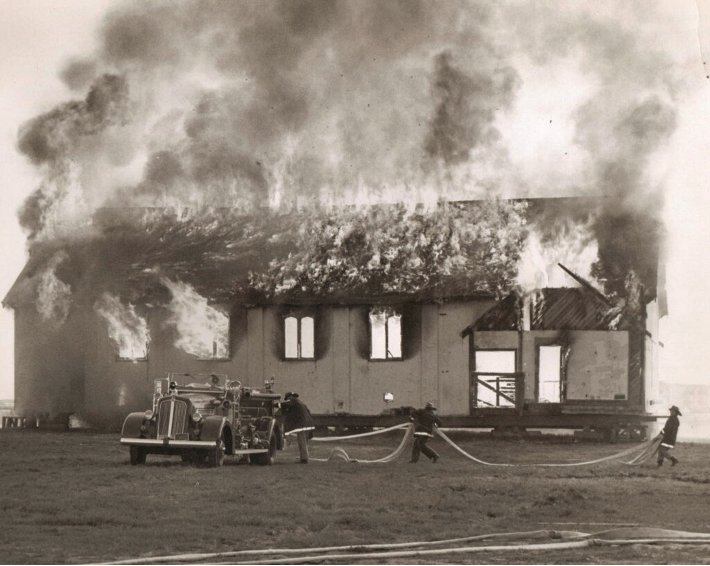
column 179, row 418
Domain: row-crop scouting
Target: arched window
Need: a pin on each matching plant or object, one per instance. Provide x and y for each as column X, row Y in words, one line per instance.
column 299, row 338
column 385, row 334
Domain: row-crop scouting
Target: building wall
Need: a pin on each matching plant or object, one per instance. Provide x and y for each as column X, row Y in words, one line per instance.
column 597, row 366
column 115, row 387
column 48, row 364
column 82, row 363
column 341, row 378
column 651, row 353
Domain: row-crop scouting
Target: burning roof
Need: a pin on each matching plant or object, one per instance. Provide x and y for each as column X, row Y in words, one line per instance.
column 452, row 249
column 224, row 254
column 576, row 308
column 286, row 104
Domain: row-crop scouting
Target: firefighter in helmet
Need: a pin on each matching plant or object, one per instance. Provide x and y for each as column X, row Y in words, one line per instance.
column 424, row 421
column 297, row 421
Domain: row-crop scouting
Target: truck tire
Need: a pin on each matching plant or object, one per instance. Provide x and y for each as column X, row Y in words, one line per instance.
column 268, row 458
column 215, row 456
column 137, row 455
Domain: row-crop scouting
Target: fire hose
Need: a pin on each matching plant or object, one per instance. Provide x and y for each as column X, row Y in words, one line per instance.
column 359, row 435
column 338, row 452
column 572, row 539
column 351, row 553
column 645, row 451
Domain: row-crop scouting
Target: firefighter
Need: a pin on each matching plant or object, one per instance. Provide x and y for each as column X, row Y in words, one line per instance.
column 424, row 421
column 668, row 437
column 298, row 421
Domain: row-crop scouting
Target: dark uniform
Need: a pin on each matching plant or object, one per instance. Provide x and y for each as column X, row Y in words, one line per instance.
column 298, row 421
column 669, row 432
column 424, row 421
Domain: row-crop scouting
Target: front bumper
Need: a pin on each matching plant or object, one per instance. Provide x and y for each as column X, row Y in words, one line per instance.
column 168, row 443
column 190, row 444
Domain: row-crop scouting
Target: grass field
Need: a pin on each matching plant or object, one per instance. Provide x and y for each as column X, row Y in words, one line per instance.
column 74, row 498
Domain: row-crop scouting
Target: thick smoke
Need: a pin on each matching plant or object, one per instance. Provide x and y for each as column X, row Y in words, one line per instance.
column 466, row 109
column 627, row 118
column 304, row 102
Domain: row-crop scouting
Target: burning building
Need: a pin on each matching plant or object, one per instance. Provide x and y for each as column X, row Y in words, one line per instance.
column 360, row 310
column 237, row 189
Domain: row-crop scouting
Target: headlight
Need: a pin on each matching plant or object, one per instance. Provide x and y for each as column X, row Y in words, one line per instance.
column 197, row 417
column 148, row 415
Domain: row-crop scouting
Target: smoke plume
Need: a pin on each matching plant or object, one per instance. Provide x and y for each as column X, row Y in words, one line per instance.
column 298, row 103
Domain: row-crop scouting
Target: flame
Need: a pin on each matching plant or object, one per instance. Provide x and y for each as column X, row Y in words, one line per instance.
column 395, row 249
column 65, row 210
column 53, row 295
column 202, row 330
column 574, row 247
column 126, row 328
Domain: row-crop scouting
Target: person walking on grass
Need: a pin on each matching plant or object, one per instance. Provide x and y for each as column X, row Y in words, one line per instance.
column 297, row 421
column 668, row 437
column 424, row 421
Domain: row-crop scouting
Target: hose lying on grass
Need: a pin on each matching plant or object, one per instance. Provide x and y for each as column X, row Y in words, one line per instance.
column 572, row 539
column 646, row 449
column 340, row 453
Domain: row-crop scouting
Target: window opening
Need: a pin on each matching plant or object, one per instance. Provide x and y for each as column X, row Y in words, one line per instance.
column 299, row 338
column 550, row 374
column 126, row 328
column 496, row 379
column 385, row 334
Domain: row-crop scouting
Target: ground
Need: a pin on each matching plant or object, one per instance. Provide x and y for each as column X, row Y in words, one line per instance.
column 74, row 498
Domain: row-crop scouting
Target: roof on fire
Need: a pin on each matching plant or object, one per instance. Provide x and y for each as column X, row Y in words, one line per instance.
column 575, row 308
column 128, row 250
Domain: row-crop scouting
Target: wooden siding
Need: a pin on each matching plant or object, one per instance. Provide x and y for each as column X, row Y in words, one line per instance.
column 48, row 364
column 87, row 377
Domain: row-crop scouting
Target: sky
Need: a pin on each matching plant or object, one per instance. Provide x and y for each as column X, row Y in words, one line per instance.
column 38, row 38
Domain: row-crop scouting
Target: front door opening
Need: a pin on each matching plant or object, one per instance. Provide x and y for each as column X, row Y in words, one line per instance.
column 550, row 374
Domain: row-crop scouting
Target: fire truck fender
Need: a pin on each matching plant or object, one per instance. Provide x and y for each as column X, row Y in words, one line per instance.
column 132, row 425
column 213, row 428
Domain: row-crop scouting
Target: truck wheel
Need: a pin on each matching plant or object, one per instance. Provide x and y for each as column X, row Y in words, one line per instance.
column 267, row 458
column 137, row 455
column 271, row 456
column 215, row 457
